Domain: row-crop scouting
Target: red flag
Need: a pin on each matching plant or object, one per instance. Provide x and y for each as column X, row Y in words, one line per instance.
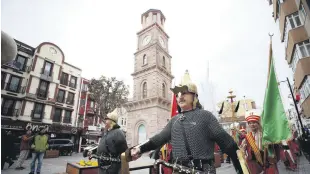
column 174, row 106
column 174, row 112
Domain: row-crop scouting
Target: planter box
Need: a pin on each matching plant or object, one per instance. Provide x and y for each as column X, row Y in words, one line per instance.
column 217, row 160
column 51, row 154
column 73, row 168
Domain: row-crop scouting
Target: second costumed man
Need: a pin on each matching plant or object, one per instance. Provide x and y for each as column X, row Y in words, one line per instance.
column 192, row 133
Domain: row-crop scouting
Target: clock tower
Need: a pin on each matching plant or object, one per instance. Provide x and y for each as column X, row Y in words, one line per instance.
column 149, row 109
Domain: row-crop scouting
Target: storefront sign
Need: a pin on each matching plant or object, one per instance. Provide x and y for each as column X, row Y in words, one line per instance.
column 15, row 127
column 36, row 127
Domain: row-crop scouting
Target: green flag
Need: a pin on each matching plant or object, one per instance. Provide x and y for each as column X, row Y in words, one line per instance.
column 274, row 121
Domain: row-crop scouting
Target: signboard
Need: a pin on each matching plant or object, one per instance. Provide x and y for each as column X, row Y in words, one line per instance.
column 36, row 127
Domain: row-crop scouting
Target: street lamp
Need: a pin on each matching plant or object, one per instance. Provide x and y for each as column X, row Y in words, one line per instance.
column 295, row 103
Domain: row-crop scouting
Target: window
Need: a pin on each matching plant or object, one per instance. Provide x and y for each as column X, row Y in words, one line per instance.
column 141, row 134
column 48, row 67
column 163, row 90
column 286, row 30
column 144, row 59
column 43, row 89
column 82, row 103
column 64, row 79
column 3, row 78
column 154, row 18
column 164, row 61
column 295, row 60
column 92, row 104
column 7, row 107
column 144, row 90
column 21, row 62
column 302, row 50
column 305, row 89
column 57, row 115
column 85, row 87
column 14, row 84
column 73, row 82
column 70, row 99
column 302, row 12
column 61, row 96
column 67, row 118
column 294, row 20
column 38, row 111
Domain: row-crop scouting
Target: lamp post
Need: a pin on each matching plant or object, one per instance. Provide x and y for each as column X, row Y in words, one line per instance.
column 295, row 104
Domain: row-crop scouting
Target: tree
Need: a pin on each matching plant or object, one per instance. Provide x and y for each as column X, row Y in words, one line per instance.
column 108, row 94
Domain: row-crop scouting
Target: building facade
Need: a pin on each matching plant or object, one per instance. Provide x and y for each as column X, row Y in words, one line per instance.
column 39, row 89
column 148, row 111
column 294, row 23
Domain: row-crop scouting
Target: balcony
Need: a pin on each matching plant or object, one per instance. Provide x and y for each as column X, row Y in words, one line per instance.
column 11, row 112
column 42, row 94
column 38, row 116
column 46, row 75
column 295, row 36
column 13, row 88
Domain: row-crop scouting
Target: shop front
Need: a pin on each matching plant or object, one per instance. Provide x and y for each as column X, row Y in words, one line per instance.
column 55, row 131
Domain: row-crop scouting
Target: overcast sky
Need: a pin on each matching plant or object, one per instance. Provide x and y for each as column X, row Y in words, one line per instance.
column 100, row 37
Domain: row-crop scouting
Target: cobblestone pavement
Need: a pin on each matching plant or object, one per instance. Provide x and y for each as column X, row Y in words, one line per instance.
column 58, row 165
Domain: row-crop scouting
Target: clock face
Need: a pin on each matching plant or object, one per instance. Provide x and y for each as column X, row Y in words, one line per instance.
column 146, row 40
column 162, row 42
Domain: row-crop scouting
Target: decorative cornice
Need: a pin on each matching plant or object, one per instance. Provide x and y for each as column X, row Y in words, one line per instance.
column 143, row 70
column 154, row 24
column 157, row 47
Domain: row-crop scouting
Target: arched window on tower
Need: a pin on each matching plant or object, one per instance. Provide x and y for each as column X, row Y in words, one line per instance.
column 164, row 61
column 144, row 90
column 163, row 90
column 141, row 134
column 144, row 59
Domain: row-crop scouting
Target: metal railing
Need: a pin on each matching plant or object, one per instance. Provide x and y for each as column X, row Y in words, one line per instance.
column 13, row 87
column 60, row 99
column 42, row 93
column 64, row 81
column 70, row 101
column 57, row 119
column 72, row 85
column 37, row 115
column 9, row 111
column 67, row 120
column 46, row 75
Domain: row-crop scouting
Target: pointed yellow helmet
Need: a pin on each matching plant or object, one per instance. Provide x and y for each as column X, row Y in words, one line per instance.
column 186, row 85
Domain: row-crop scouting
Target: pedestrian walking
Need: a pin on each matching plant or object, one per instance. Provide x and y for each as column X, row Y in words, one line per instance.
column 24, row 149
column 39, row 146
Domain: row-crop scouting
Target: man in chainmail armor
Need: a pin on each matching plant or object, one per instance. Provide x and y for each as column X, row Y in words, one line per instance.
column 192, row 133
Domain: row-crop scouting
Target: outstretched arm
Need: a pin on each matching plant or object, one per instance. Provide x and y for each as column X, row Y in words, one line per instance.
column 224, row 140
column 157, row 140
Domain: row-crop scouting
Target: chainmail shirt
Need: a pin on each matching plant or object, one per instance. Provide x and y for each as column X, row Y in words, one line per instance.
column 202, row 131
